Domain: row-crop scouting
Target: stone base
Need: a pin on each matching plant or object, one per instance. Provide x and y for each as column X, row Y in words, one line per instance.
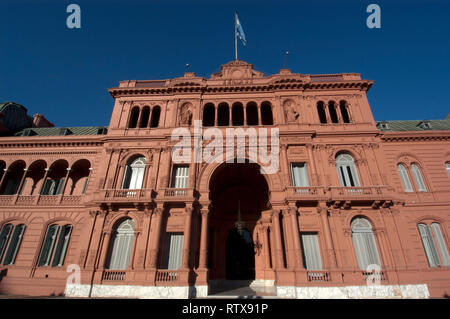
column 142, row 292
column 354, row 292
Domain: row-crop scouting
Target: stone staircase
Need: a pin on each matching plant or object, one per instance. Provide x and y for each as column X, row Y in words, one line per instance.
column 241, row 289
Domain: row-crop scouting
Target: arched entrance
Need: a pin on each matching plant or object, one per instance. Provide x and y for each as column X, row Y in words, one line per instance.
column 238, row 193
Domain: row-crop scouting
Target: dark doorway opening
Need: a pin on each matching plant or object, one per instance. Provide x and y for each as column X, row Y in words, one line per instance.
column 240, row 255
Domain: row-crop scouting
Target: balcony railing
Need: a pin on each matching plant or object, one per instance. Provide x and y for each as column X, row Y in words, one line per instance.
column 310, row 192
column 381, row 274
column 363, row 193
column 318, row 276
column 40, row 200
column 123, row 195
column 166, row 275
column 178, row 194
column 117, row 275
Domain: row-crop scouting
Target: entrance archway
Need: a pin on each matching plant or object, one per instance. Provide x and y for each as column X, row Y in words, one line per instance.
column 238, row 193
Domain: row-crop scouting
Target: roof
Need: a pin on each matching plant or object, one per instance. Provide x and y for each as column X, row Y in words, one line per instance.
column 408, row 126
column 58, row 131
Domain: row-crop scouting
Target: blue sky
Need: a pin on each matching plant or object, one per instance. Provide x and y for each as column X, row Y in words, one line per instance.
column 65, row 73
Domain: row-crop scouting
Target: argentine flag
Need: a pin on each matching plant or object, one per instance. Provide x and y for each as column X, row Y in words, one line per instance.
column 239, row 31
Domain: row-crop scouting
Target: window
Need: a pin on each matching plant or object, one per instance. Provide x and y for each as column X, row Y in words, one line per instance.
column 237, row 111
column 405, row 178
column 10, row 243
column 180, row 176
column 433, row 245
column 348, row 175
column 364, row 243
column 333, row 113
column 156, row 114
column 209, row 113
column 223, row 115
column 311, row 251
column 299, row 175
column 54, row 247
column 447, row 167
column 144, row 117
column 344, row 111
column 134, row 174
column 134, row 116
column 266, row 113
column 252, row 113
column 53, row 186
column 173, row 251
column 321, row 112
column 418, row 178
column 121, row 245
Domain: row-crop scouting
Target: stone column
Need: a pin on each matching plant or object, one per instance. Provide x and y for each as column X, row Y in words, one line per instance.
column 43, row 180
column 154, row 252
column 277, row 232
column 328, row 239
column 25, row 171
column 187, row 237
column 3, row 177
column 258, row 107
column 120, row 177
column 204, row 237
column 296, row 237
column 266, row 247
column 284, row 165
column 216, row 115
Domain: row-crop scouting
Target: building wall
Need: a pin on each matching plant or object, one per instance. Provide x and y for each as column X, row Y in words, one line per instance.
column 325, row 207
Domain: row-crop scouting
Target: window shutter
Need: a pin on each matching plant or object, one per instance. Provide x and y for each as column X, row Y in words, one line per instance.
column 405, row 178
column 311, row 252
column 47, row 247
column 428, row 245
column 418, row 178
column 61, row 247
column 441, row 244
column 14, row 245
column 122, row 242
column 300, row 175
column 173, row 251
column 4, row 237
column 180, row 176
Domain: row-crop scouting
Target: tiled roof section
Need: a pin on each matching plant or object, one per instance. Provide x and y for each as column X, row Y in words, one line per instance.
column 410, row 126
column 59, row 131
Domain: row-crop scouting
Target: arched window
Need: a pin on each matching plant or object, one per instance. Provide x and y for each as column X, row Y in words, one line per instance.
column 252, row 113
column 144, row 117
column 348, row 175
column 433, row 245
column 10, row 239
column 237, row 114
column 134, row 117
column 344, row 111
column 134, row 174
column 321, row 112
column 405, row 178
column 54, row 247
column 223, row 115
column 415, row 170
column 364, row 243
column 156, row 113
column 121, row 244
column 333, row 113
column 266, row 113
column 209, row 114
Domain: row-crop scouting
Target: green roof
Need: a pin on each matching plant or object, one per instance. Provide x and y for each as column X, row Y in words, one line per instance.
column 59, row 131
column 409, row 126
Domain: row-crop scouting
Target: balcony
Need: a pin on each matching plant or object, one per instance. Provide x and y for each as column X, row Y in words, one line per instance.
column 166, row 276
column 41, row 200
column 123, row 196
column 318, row 276
column 310, row 193
column 178, row 194
column 366, row 194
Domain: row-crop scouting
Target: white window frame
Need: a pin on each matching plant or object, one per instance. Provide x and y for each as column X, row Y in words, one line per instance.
column 180, row 176
column 347, row 171
column 418, row 178
column 311, row 251
column 121, row 245
column 134, row 174
column 299, row 174
column 364, row 243
column 404, row 176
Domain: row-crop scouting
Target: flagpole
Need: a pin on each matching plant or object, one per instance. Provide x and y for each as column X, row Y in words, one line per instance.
column 235, row 35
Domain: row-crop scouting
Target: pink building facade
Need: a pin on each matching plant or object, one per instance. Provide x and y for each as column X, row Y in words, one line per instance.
column 111, row 206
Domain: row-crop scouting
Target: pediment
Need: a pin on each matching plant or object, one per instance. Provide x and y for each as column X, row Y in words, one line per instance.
column 236, row 70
